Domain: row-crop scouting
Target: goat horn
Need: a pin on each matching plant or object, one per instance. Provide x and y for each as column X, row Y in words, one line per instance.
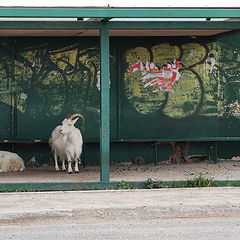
column 75, row 115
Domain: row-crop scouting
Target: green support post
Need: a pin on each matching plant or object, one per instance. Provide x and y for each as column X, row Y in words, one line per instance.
column 105, row 105
column 213, row 152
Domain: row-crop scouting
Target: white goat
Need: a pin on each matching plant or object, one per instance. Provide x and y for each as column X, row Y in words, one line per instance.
column 66, row 143
column 10, row 162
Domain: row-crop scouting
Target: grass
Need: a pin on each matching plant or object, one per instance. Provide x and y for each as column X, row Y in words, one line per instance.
column 149, row 184
column 124, row 185
column 4, row 190
column 199, row 181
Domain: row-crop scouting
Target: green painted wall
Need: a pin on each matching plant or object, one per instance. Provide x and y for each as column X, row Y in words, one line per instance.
column 189, row 106
column 44, row 79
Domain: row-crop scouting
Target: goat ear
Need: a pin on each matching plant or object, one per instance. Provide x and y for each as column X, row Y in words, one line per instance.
column 74, row 121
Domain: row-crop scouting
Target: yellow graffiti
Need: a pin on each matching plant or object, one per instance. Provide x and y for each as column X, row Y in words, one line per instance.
column 193, row 90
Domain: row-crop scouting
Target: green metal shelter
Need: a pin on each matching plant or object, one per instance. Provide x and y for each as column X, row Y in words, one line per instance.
column 146, row 97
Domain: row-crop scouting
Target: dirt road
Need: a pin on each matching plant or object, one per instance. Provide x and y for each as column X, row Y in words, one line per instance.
column 92, row 206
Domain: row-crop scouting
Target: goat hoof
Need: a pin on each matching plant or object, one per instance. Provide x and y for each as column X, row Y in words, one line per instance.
column 70, row 172
column 76, row 171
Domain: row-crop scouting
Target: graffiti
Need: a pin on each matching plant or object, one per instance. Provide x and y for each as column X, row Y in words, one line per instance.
column 179, row 88
column 51, row 80
column 191, row 54
column 43, row 80
column 164, row 78
column 98, row 85
column 232, row 109
column 173, row 79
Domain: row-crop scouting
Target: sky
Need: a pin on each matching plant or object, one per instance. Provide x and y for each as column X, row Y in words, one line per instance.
column 122, row 3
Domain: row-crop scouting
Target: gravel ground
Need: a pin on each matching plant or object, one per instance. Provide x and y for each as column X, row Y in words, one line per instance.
column 112, row 205
column 223, row 170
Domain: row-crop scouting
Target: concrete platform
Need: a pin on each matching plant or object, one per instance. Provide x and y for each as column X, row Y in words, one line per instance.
column 224, row 170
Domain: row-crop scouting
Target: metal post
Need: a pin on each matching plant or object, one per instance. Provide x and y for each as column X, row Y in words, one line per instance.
column 213, row 152
column 105, row 105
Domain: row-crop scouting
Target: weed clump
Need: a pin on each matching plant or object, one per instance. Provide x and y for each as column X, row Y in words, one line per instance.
column 124, row 185
column 201, row 181
column 149, row 184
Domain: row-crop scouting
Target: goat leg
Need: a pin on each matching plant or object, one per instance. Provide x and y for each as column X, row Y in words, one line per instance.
column 69, row 165
column 76, row 170
column 56, row 162
column 63, row 165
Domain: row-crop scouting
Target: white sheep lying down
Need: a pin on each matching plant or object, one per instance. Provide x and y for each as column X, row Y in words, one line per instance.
column 10, row 162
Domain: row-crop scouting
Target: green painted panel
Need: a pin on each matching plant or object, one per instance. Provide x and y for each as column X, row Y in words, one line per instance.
column 45, row 79
column 228, row 150
column 126, row 152
column 170, row 88
column 162, row 152
column 6, row 92
column 229, row 108
column 5, row 119
column 53, row 78
column 40, row 151
column 199, row 148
